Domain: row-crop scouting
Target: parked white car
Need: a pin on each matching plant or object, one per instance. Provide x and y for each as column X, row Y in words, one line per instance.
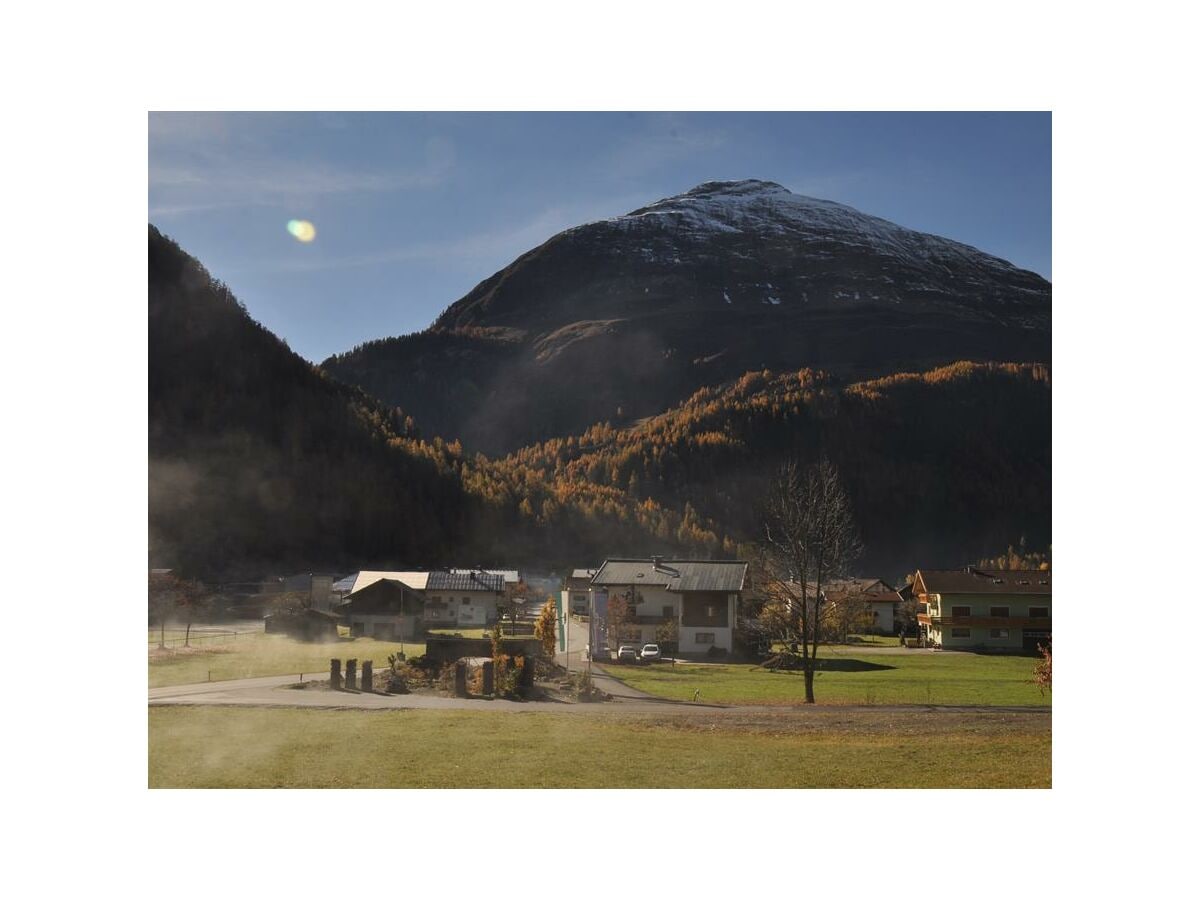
column 627, row 653
column 651, row 653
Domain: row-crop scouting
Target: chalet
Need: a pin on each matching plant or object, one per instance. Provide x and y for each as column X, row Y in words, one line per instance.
column 386, row 609
column 983, row 608
column 700, row 598
column 467, row 597
column 876, row 598
column 576, row 587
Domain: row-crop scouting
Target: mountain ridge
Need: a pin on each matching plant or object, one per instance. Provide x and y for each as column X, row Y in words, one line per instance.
column 623, row 317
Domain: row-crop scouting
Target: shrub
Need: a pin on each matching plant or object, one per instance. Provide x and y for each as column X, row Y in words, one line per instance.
column 581, row 687
column 751, row 639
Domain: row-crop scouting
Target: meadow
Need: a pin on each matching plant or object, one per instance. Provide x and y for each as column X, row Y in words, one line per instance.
column 847, row 676
column 268, row 748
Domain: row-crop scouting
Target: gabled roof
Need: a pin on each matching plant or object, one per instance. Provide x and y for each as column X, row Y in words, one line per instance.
column 511, row 576
column 383, row 597
column 345, row 584
column 583, row 573
column 414, row 580
column 466, row 580
column 972, row 580
column 673, row 574
column 856, row 586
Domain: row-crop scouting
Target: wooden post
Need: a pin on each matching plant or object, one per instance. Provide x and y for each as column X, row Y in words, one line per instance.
column 351, row 674
column 489, row 677
column 368, row 676
column 335, row 674
column 460, row 679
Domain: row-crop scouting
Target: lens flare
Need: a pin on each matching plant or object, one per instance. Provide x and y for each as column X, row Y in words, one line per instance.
column 302, row 230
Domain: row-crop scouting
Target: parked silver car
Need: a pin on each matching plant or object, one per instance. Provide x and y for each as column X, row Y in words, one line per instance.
column 627, row 653
column 651, row 653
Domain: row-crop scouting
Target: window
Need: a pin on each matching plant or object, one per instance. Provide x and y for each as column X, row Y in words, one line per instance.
column 960, row 632
column 960, row 610
column 999, row 612
column 466, row 600
column 705, row 637
column 999, row 632
column 1039, row 612
column 710, row 611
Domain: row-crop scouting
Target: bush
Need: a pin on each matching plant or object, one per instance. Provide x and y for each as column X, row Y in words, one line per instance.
column 751, row 639
column 445, row 678
column 510, row 676
column 715, row 652
column 582, row 689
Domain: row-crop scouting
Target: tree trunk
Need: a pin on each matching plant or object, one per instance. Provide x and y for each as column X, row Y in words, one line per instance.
column 187, row 634
column 808, row 685
column 162, row 633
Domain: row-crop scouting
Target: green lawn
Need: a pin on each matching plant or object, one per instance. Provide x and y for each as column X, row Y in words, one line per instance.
column 943, row 679
column 222, row 747
column 462, row 632
column 251, row 655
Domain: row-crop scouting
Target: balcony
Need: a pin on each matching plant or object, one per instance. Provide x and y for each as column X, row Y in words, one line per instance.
column 985, row 621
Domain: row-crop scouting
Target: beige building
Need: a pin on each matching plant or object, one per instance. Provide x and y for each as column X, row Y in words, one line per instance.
column 991, row 609
column 699, row 596
column 463, row 598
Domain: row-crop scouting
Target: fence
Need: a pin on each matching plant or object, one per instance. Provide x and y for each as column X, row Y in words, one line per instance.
column 175, row 637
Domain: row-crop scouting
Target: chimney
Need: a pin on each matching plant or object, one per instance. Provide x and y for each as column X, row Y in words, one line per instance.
column 657, row 560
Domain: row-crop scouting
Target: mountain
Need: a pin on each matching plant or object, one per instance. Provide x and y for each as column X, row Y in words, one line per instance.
column 621, row 319
column 260, row 461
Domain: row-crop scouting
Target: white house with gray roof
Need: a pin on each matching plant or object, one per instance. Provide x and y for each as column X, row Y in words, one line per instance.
column 700, row 596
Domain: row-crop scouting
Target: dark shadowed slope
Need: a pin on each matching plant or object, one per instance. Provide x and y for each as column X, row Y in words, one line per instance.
column 257, row 459
column 623, row 318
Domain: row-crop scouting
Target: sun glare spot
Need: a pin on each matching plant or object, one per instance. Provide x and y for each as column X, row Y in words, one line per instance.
column 302, row 230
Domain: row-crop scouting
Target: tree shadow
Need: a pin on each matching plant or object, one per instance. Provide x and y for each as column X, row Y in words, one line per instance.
column 849, row 665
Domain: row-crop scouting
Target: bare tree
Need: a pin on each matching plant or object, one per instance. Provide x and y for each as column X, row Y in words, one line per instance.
column 808, row 540
column 163, row 587
column 171, row 596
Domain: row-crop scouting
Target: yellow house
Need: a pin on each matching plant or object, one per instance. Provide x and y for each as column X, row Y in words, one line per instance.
column 989, row 609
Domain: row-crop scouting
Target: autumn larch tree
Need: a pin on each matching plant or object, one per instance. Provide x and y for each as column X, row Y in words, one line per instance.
column 808, row 540
column 544, row 628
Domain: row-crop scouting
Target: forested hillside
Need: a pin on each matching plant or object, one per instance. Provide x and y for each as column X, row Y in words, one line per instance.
column 258, row 459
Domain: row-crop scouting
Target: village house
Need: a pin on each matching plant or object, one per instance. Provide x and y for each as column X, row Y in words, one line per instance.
column 576, row 588
column 986, row 609
column 872, row 599
column 385, row 609
column 699, row 596
column 465, row 598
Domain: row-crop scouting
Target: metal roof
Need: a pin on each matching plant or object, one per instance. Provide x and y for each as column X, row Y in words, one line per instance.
column 470, row 580
column 984, row 581
column 673, row 574
column 511, row 576
column 583, row 573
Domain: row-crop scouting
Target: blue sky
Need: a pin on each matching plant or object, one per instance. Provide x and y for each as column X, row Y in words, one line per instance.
column 412, row 210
